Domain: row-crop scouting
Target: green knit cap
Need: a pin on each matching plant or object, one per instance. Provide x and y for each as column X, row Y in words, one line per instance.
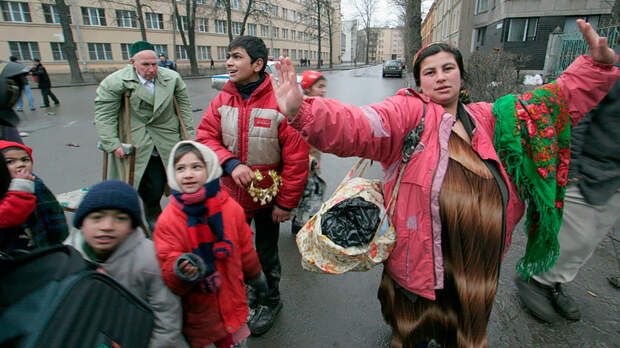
column 140, row 46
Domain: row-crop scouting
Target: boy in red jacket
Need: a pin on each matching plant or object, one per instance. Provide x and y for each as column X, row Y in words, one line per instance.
column 205, row 250
column 245, row 128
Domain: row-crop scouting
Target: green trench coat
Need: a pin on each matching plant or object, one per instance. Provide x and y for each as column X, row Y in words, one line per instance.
column 154, row 122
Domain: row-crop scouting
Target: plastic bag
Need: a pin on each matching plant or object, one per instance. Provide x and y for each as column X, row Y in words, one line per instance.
column 352, row 222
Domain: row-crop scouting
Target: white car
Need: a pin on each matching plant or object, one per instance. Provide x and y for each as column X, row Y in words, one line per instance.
column 218, row 81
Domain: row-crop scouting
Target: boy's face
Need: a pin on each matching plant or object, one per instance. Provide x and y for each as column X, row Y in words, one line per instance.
column 18, row 162
column 240, row 67
column 104, row 230
column 318, row 89
column 190, row 173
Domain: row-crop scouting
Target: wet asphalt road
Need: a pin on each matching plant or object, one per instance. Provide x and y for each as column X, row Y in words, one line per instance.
column 334, row 311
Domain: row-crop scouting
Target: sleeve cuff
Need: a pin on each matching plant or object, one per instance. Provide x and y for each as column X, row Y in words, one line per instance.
column 22, row 185
column 283, row 208
column 230, row 165
column 195, row 260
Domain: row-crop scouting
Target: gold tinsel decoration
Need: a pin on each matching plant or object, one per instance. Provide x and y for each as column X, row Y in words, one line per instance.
column 265, row 195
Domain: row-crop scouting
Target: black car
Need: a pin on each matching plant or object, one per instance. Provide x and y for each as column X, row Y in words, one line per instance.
column 392, row 68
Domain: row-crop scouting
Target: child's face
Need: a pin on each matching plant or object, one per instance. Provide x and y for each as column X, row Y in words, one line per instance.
column 18, row 162
column 240, row 67
column 104, row 230
column 318, row 89
column 190, row 173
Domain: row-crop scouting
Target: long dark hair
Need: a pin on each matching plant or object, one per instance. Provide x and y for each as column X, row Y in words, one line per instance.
column 433, row 49
column 5, row 177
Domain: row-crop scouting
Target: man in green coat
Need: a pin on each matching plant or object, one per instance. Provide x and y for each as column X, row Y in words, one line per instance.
column 155, row 126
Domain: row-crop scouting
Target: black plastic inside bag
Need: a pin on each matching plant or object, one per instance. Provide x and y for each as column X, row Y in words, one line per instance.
column 352, row 222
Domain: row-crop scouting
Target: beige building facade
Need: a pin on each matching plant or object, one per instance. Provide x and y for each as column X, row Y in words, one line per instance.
column 390, row 44
column 427, row 26
column 452, row 22
column 104, row 30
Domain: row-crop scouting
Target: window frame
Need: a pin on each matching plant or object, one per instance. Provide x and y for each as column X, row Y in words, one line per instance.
column 17, row 49
column 58, row 54
column 87, row 16
column 106, row 49
column 121, row 20
column 236, row 28
column 200, row 49
column 203, row 23
column 8, row 12
column 180, row 53
column 252, row 29
column 221, row 23
column 151, row 18
column 159, row 50
column 526, row 29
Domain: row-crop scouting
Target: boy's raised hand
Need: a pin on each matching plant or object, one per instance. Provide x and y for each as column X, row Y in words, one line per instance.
column 599, row 49
column 287, row 92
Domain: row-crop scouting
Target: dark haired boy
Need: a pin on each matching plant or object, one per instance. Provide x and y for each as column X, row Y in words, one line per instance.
column 247, row 131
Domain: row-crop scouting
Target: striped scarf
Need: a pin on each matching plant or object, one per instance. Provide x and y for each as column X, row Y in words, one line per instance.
column 532, row 139
column 206, row 229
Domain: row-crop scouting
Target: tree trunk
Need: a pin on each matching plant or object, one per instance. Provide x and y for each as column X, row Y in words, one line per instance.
column 190, row 46
column 248, row 10
column 367, row 42
column 330, row 26
column 413, row 25
column 68, row 45
column 228, row 20
column 141, row 20
column 318, row 15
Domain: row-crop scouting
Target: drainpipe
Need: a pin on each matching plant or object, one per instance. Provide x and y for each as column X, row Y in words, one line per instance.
column 79, row 34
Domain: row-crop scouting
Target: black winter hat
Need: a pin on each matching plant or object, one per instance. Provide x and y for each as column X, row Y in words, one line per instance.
column 110, row 194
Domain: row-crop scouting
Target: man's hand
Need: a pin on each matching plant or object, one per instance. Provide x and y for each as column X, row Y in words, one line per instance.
column 287, row 92
column 242, row 175
column 599, row 49
column 279, row 215
column 119, row 153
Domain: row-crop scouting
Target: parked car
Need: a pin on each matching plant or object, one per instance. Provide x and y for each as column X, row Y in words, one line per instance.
column 392, row 68
column 218, row 81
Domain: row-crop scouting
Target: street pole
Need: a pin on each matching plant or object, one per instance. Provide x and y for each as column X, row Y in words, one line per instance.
column 79, row 35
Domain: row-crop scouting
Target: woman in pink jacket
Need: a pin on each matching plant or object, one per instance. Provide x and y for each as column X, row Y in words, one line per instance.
column 464, row 188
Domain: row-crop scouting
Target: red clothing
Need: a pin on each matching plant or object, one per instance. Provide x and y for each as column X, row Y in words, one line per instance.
column 256, row 133
column 15, row 207
column 209, row 317
column 377, row 132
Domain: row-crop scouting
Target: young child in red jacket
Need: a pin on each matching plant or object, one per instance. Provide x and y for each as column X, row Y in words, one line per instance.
column 205, row 249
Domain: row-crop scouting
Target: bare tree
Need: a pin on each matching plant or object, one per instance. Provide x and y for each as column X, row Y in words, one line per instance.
column 189, row 42
column 410, row 17
column 68, row 45
column 331, row 11
column 366, row 10
column 257, row 9
column 137, row 6
column 493, row 74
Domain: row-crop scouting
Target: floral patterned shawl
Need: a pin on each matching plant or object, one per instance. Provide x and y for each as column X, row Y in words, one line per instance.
column 532, row 139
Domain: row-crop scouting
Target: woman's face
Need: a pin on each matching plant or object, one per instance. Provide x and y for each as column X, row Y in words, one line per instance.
column 440, row 78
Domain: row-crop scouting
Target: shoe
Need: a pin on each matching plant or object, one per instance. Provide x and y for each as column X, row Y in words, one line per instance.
column 263, row 318
column 563, row 303
column 44, row 106
column 20, row 110
column 537, row 299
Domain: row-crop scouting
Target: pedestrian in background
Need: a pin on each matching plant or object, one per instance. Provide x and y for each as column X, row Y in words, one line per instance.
column 26, row 90
column 462, row 191
column 205, row 249
column 155, row 126
column 212, row 64
column 248, row 133
column 591, row 209
column 10, row 90
column 45, row 85
column 164, row 62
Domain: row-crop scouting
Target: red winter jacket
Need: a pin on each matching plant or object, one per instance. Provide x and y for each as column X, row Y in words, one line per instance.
column 256, row 133
column 209, row 317
column 16, row 206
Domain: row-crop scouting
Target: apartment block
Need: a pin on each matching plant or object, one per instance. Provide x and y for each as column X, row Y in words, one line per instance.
column 104, row 30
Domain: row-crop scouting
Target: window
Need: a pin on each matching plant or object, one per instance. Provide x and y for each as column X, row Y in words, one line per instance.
column 99, row 51
column 284, row 13
column 300, row 35
column 154, row 20
column 293, row 34
column 293, row 54
column 181, row 52
column 51, row 15
column 292, row 15
column 126, row 19
column 204, row 52
column 274, row 10
column 125, row 51
column 480, row 33
column 236, row 28
column 93, row 16
column 482, row 6
column 16, row 11
column 522, row 29
column 57, row 51
column 235, row 4
column 201, row 2
column 252, row 29
column 276, row 32
column 276, row 52
column 284, row 34
column 184, row 23
column 264, row 30
column 203, row 25
column 570, row 26
column 220, row 26
column 24, row 50
column 161, row 49
column 221, row 53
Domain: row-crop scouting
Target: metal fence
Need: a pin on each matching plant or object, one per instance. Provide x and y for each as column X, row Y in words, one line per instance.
column 567, row 47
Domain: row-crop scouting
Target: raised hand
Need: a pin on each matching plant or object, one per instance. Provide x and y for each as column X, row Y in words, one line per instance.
column 599, row 49
column 287, row 92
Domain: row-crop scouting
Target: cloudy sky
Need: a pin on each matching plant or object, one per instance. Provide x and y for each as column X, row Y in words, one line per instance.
column 385, row 15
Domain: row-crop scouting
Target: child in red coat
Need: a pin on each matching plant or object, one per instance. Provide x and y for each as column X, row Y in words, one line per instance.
column 205, row 249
